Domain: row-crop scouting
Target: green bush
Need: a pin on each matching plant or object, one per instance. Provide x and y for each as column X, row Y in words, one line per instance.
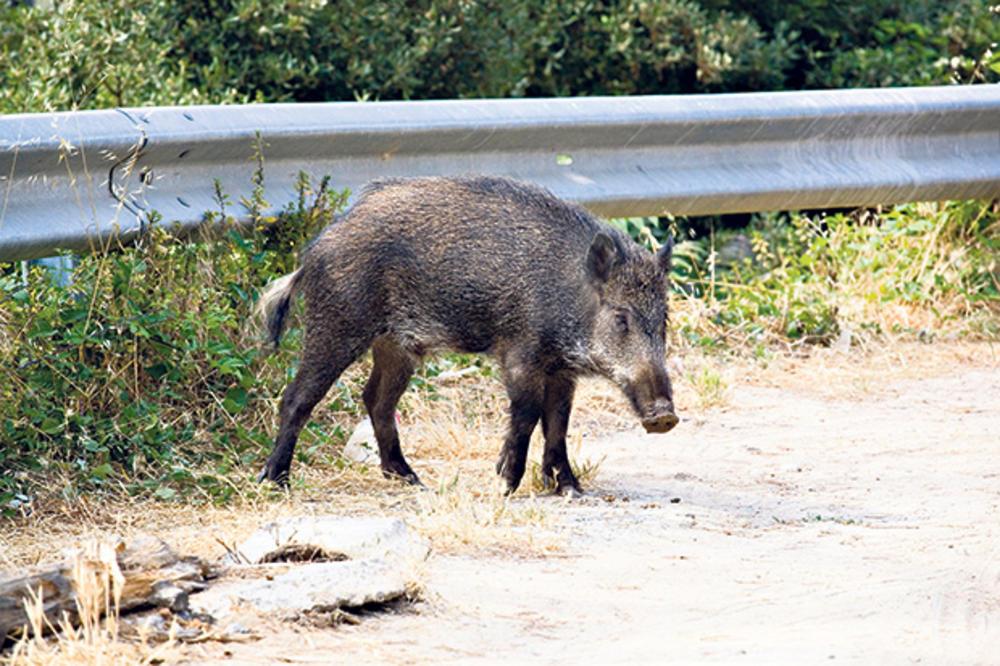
column 876, row 43
column 98, row 54
column 89, row 55
column 144, row 370
column 915, row 271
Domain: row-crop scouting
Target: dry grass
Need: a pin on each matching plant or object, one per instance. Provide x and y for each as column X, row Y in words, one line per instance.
column 457, row 421
column 469, row 513
column 95, row 637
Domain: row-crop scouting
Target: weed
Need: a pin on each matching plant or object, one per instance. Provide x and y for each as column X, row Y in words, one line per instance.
column 708, row 385
column 585, row 471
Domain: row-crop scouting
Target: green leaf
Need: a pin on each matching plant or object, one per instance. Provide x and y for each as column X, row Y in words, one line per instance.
column 102, row 471
column 165, row 493
column 235, row 400
column 157, row 370
column 51, row 426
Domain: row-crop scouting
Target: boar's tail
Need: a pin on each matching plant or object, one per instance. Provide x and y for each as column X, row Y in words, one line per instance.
column 272, row 307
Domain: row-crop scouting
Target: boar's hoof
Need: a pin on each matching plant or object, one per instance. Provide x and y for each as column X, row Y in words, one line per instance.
column 404, row 474
column 280, row 479
column 661, row 423
column 568, row 486
column 561, row 480
column 511, row 469
column 570, row 492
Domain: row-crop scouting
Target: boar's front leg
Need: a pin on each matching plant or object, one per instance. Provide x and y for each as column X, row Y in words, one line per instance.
column 525, row 388
column 555, row 420
column 391, row 372
column 322, row 362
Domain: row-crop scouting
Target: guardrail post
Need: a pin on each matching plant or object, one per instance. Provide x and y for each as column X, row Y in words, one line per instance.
column 59, row 269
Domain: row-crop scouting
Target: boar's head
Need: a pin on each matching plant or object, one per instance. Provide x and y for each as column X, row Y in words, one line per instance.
column 628, row 337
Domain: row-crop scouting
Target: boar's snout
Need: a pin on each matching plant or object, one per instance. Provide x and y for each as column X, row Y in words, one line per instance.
column 663, row 422
column 661, row 417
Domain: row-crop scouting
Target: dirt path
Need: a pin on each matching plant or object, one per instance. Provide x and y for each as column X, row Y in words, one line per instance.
column 807, row 530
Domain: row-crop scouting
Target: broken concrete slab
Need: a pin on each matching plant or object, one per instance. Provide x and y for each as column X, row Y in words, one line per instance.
column 334, row 537
column 321, row 586
column 355, row 561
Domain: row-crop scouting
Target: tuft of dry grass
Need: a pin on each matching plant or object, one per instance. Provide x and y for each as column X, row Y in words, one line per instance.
column 95, row 637
column 584, row 468
column 704, row 382
column 469, row 513
column 455, row 421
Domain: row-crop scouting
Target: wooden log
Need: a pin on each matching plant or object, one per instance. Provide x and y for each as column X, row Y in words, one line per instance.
column 142, row 572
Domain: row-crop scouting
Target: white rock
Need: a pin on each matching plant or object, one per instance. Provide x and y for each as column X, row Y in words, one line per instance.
column 842, row 344
column 309, row 587
column 382, row 564
column 452, row 375
column 356, row 538
column 362, row 447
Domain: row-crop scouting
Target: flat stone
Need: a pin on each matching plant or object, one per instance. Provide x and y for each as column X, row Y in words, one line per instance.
column 350, row 538
column 369, row 560
column 321, row 586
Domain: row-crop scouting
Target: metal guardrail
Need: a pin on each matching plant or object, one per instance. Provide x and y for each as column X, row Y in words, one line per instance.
column 68, row 177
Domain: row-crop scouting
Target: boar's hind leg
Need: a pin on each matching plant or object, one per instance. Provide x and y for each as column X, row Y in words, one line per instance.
column 555, row 420
column 391, row 372
column 526, row 391
column 321, row 364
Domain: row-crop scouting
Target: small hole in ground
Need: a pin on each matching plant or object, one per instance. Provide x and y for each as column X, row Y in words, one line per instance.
column 301, row 552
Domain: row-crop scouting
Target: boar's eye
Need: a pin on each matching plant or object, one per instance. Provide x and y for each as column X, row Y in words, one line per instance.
column 621, row 322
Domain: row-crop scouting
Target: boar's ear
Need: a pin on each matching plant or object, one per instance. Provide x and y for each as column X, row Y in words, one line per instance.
column 601, row 257
column 664, row 255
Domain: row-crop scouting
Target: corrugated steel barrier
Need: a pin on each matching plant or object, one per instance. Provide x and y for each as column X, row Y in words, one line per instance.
column 66, row 177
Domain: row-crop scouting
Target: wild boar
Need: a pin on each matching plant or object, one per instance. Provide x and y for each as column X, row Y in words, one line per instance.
column 478, row 265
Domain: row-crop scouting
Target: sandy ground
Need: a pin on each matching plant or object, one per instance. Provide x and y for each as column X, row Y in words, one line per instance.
column 801, row 524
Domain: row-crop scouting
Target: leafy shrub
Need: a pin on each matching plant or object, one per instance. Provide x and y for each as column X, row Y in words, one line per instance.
column 143, row 370
column 876, row 43
column 915, row 270
column 90, row 54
